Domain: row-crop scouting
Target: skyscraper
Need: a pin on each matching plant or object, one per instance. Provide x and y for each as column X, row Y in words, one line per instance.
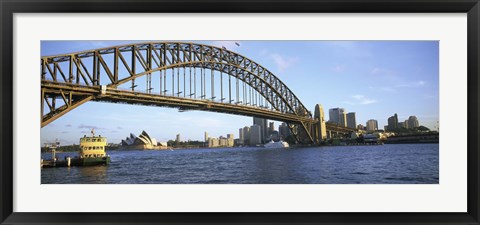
column 177, row 139
column 271, row 128
column 413, row 122
column 255, row 135
column 230, row 140
column 393, row 122
column 263, row 128
column 283, row 130
column 337, row 116
column 240, row 135
column 206, row 136
column 351, row 120
column 372, row 125
column 246, row 135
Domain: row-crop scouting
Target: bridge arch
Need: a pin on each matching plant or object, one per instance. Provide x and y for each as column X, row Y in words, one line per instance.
column 143, row 60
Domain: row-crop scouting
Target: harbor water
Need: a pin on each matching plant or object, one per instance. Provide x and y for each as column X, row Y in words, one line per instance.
column 373, row 164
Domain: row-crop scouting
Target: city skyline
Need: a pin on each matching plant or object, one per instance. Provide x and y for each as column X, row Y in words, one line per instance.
column 374, row 79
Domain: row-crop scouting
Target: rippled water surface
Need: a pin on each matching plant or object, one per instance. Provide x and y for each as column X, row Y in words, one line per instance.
column 397, row 164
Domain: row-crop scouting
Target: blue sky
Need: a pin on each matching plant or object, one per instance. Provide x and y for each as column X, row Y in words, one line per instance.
column 375, row 79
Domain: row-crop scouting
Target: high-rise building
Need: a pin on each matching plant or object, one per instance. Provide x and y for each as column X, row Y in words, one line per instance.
column 413, row 122
column 283, row 130
column 393, row 122
column 246, row 135
column 361, row 127
column 240, row 134
column 255, row 135
column 372, row 125
column 338, row 116
column 320, row 130
column 177, row 139
column 263, row 127
column 351, row 120
column 206, row 136
column 402, row 125
column 271, row 128
column 230, row 140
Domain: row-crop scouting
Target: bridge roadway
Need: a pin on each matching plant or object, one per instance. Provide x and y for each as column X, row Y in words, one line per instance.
column 94, row 93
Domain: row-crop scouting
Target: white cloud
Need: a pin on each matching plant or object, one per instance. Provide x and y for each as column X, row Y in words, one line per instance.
column 360, row 100
column 283, row 62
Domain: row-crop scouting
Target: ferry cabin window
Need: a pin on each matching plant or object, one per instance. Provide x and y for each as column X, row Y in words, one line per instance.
column 94, row 140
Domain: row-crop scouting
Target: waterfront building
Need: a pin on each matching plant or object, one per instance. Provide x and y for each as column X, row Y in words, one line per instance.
column 351, row 120
column 222, row 141
column 406, row 124
column 213, row 142
column 392, row 122
column 283, row 130
column 320, row 130
column 361, row 127
column 177, row 139
column 240, row 135
column 255, row 135
column 271, row 128
column 230, row 140
column 246, row 135
column 337, row 116
column 263, row 127
column 372, row 125
column 413, row 122
column 237, row 142
column 206, row 136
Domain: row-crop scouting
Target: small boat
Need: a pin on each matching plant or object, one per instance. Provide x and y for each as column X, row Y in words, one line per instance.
column 280, row 144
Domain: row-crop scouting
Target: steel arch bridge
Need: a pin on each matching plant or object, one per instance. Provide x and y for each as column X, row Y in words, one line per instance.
column 186, row 76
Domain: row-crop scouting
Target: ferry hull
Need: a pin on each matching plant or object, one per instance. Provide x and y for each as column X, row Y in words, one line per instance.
column 94, row 161
column 77, row 162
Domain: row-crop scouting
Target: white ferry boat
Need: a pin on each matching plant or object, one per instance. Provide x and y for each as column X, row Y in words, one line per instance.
column 280, row 144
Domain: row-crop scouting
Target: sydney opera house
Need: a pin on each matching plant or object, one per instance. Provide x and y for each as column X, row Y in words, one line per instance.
column 142, row 142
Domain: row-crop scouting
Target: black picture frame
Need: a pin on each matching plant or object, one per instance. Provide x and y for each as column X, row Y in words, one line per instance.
column 9, row 7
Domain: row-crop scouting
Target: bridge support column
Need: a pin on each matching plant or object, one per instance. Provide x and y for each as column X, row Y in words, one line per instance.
column 320, row 128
